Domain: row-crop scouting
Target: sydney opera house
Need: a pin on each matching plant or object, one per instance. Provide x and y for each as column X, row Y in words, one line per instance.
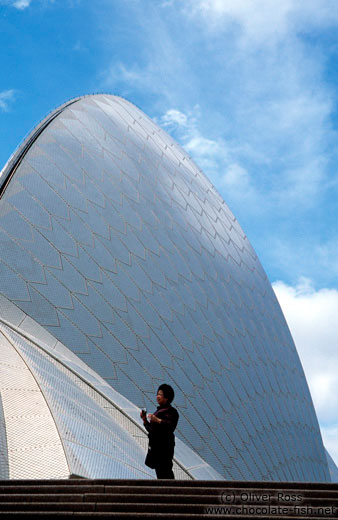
column 121, row 268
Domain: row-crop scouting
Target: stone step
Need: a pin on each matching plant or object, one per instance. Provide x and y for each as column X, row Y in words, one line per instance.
column 142, row 516
column 207, row 499
column 193, row 509
column 64, row 488
column 174, row 483
column 254, row 511
column 36, row 497
column 166, row 499
column 211, row 490
column 150, row 498
column 47, row 506
column 52, row 489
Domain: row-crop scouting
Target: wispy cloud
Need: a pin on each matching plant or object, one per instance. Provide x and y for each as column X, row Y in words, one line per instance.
column 18, row 4
column 266, row 83
column 209, row 153
column 281, row 102
column 156, row 65
column 21, row 4
column 127, row 77
column 312, row 318
column 6, row 98
column 265, row 21
column 245, row 87
column 214, row 156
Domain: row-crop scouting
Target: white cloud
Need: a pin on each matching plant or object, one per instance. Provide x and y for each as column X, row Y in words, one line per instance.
column 267, row 20
column 21, row 4
column 263, row 82
column 263, row 130
column 174, row 117
column 236, row 176
column 184, row 126
column 157, row 66
column 120, row 73
column 312, row 318
column 18, row 4
column 251, row 15
column 135, row 77
column 215, row 157
column 6, row 98
column 279, row 103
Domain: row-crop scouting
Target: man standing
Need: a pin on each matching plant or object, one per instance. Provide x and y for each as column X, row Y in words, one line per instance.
column 160, row 427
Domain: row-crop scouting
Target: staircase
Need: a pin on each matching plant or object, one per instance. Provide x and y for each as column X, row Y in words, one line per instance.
column 165, row 499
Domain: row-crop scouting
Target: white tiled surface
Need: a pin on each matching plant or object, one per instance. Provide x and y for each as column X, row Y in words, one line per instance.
column 99, row 440
column 34, row 448
column 115, row 242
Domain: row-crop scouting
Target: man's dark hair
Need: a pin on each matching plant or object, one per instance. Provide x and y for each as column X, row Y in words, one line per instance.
column 168, row 392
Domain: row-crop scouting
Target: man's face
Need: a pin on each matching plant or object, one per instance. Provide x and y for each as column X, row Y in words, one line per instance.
column 161, row 399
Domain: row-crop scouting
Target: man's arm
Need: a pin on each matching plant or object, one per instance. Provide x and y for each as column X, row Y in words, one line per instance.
column 168, row 421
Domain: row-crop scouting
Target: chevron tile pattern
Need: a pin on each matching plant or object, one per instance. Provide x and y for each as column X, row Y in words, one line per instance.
column 79, row 432
column 115, row 242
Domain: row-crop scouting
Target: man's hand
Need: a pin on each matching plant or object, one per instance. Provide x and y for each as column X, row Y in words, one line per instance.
column 153, row 418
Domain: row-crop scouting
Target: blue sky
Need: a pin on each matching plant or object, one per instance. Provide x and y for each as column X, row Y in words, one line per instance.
column 249, row 88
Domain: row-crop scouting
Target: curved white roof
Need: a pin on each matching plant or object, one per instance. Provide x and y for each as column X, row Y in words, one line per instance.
column 116, row 243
